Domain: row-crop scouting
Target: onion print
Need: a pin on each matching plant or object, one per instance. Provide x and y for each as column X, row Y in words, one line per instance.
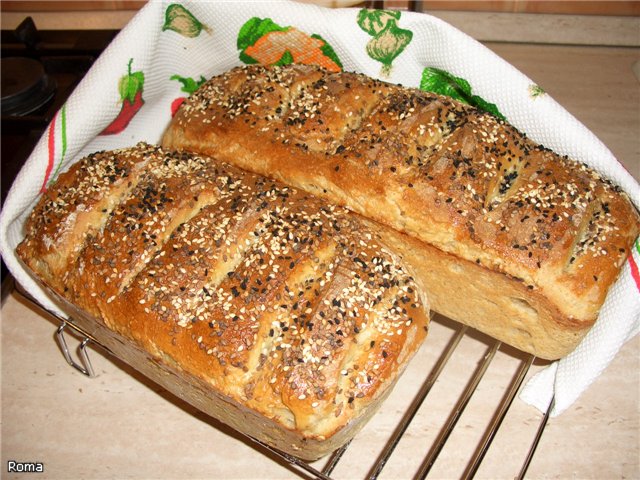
column 388, row 39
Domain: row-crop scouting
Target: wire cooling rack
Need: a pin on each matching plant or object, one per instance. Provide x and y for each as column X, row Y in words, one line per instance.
column 434, row 365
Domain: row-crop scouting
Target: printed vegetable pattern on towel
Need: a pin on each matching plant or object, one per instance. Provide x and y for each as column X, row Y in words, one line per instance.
column 536, row 91
column 183, row 22
column 444, row 83
column 130, row 87
column 261, row 40
column 389, row 40
column 189, row 85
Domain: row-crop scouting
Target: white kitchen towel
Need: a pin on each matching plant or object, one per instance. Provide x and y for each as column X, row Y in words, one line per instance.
column 169, row 48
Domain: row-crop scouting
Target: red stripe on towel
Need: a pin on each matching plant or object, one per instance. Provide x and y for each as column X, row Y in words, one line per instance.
column 634, row 271
column 52, row 151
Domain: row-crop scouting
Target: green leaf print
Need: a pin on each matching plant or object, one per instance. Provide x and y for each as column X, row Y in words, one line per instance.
column 482, row 104
column 444, row 83
column 439, row 81
column 247, row 59
column 328, row 50
column 286, row 59
column 189, row 85
column 182, row 21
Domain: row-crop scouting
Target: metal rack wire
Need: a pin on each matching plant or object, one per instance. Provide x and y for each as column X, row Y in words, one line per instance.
column 306, row 470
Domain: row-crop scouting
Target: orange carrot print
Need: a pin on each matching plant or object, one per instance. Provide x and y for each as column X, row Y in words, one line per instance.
column 263, row 41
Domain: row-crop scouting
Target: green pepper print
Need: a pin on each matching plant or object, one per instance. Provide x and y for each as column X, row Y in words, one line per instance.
column 182, row 21
column 389, row 40
column 444, row 83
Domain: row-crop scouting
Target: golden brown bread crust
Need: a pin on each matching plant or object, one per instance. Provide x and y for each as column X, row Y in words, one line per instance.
column 288, row 313
column 442, row 172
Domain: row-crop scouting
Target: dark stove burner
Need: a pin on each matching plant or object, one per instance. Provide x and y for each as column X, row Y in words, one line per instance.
column 25, row 86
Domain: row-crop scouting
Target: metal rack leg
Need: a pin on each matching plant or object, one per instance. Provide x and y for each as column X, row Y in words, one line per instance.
column 86, row 367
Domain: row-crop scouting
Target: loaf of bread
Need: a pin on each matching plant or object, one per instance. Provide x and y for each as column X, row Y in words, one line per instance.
column 275, row 312
column 503, row 234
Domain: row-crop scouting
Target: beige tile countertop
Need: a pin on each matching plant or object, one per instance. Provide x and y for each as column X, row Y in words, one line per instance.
column 119, row 425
